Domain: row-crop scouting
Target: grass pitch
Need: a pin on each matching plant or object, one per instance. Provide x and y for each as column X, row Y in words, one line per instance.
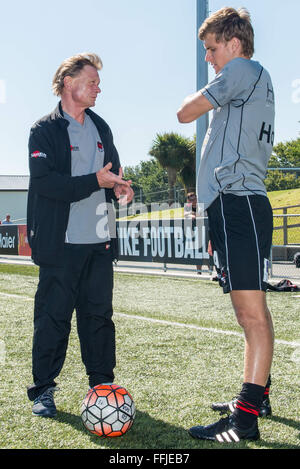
column 178, row 350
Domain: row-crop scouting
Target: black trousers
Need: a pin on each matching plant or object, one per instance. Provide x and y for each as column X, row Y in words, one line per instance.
column 84, row 283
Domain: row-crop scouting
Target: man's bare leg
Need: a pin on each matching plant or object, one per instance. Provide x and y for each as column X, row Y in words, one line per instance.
column 254, row 317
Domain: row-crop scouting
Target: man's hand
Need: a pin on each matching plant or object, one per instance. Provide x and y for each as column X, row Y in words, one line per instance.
column 124, row 193
column 107, row 179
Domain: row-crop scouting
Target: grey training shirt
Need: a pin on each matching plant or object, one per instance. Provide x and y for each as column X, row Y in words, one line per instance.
column 239, row 140
column 87, row 224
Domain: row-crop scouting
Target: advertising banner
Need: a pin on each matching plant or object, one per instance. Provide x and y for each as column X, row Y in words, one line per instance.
column 169, row 241
column 13, row 240
column 9, row 239
column 24, row 249
column 174, row 241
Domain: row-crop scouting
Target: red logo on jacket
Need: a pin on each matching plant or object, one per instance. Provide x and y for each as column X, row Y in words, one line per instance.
column 38, row 154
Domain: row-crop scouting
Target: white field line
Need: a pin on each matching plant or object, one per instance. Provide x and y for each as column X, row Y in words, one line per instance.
column 171, row 323
column 200, row 328
column 10, row 295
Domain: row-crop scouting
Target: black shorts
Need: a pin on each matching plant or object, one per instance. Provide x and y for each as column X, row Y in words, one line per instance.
column 241, row 235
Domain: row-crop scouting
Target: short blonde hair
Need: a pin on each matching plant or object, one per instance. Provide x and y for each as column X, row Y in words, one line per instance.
column 72, row 67
column 228, row 23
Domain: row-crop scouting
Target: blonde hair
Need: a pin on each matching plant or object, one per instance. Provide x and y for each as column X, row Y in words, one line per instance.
column 72, row 67
column 228, row 23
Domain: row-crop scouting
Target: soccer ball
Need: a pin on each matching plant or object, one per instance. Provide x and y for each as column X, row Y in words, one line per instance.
column 108, row 410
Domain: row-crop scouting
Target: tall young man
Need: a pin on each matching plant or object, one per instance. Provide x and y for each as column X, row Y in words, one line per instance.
column 230, row 187
column 75, row 175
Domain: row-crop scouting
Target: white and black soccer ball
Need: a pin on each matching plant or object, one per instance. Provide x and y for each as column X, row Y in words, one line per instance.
column 108, row 410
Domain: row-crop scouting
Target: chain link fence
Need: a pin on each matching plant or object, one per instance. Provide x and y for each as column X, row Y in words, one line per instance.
column 286, row 242
column 175, row 195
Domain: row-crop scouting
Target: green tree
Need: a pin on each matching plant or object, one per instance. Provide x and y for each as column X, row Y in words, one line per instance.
column 173, row 152
column 187, row 175
column 286, row 155
column 149, row 177
column 277, row 181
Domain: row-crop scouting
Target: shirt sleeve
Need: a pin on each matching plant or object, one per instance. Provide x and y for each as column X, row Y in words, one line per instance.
column 232, row 83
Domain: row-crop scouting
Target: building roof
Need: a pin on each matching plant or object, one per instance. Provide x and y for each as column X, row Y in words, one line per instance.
column 14, row 183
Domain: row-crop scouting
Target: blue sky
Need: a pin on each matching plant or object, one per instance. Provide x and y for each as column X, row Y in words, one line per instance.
column 148, row 49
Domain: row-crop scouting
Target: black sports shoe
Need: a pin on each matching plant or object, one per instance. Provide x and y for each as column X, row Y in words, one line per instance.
column 265, row 408
column 225, row 431
column 43, row 405
column 228, row 407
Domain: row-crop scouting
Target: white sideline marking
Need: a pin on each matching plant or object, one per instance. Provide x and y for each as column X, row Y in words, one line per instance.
column 10, row 295
column 200, row 328
column 171, row 323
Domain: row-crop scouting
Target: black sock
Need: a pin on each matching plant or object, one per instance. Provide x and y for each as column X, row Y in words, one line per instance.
column 248, row 404
column 267, row 388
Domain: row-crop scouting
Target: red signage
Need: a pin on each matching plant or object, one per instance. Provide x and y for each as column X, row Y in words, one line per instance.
column 23, row 249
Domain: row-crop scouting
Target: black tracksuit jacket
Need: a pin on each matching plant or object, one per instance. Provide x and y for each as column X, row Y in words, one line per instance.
column 52, row 188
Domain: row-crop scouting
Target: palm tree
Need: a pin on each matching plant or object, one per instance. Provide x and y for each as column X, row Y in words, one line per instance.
column 173, row 153
column 187, row 175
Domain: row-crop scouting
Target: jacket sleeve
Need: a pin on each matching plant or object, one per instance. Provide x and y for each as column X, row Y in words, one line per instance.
column 46, row 180
column 115, row 160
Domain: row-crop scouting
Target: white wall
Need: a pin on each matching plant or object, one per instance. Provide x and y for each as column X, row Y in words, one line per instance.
column 14, row 203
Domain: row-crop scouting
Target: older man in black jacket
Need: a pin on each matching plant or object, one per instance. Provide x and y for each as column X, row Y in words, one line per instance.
column 75, row 175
